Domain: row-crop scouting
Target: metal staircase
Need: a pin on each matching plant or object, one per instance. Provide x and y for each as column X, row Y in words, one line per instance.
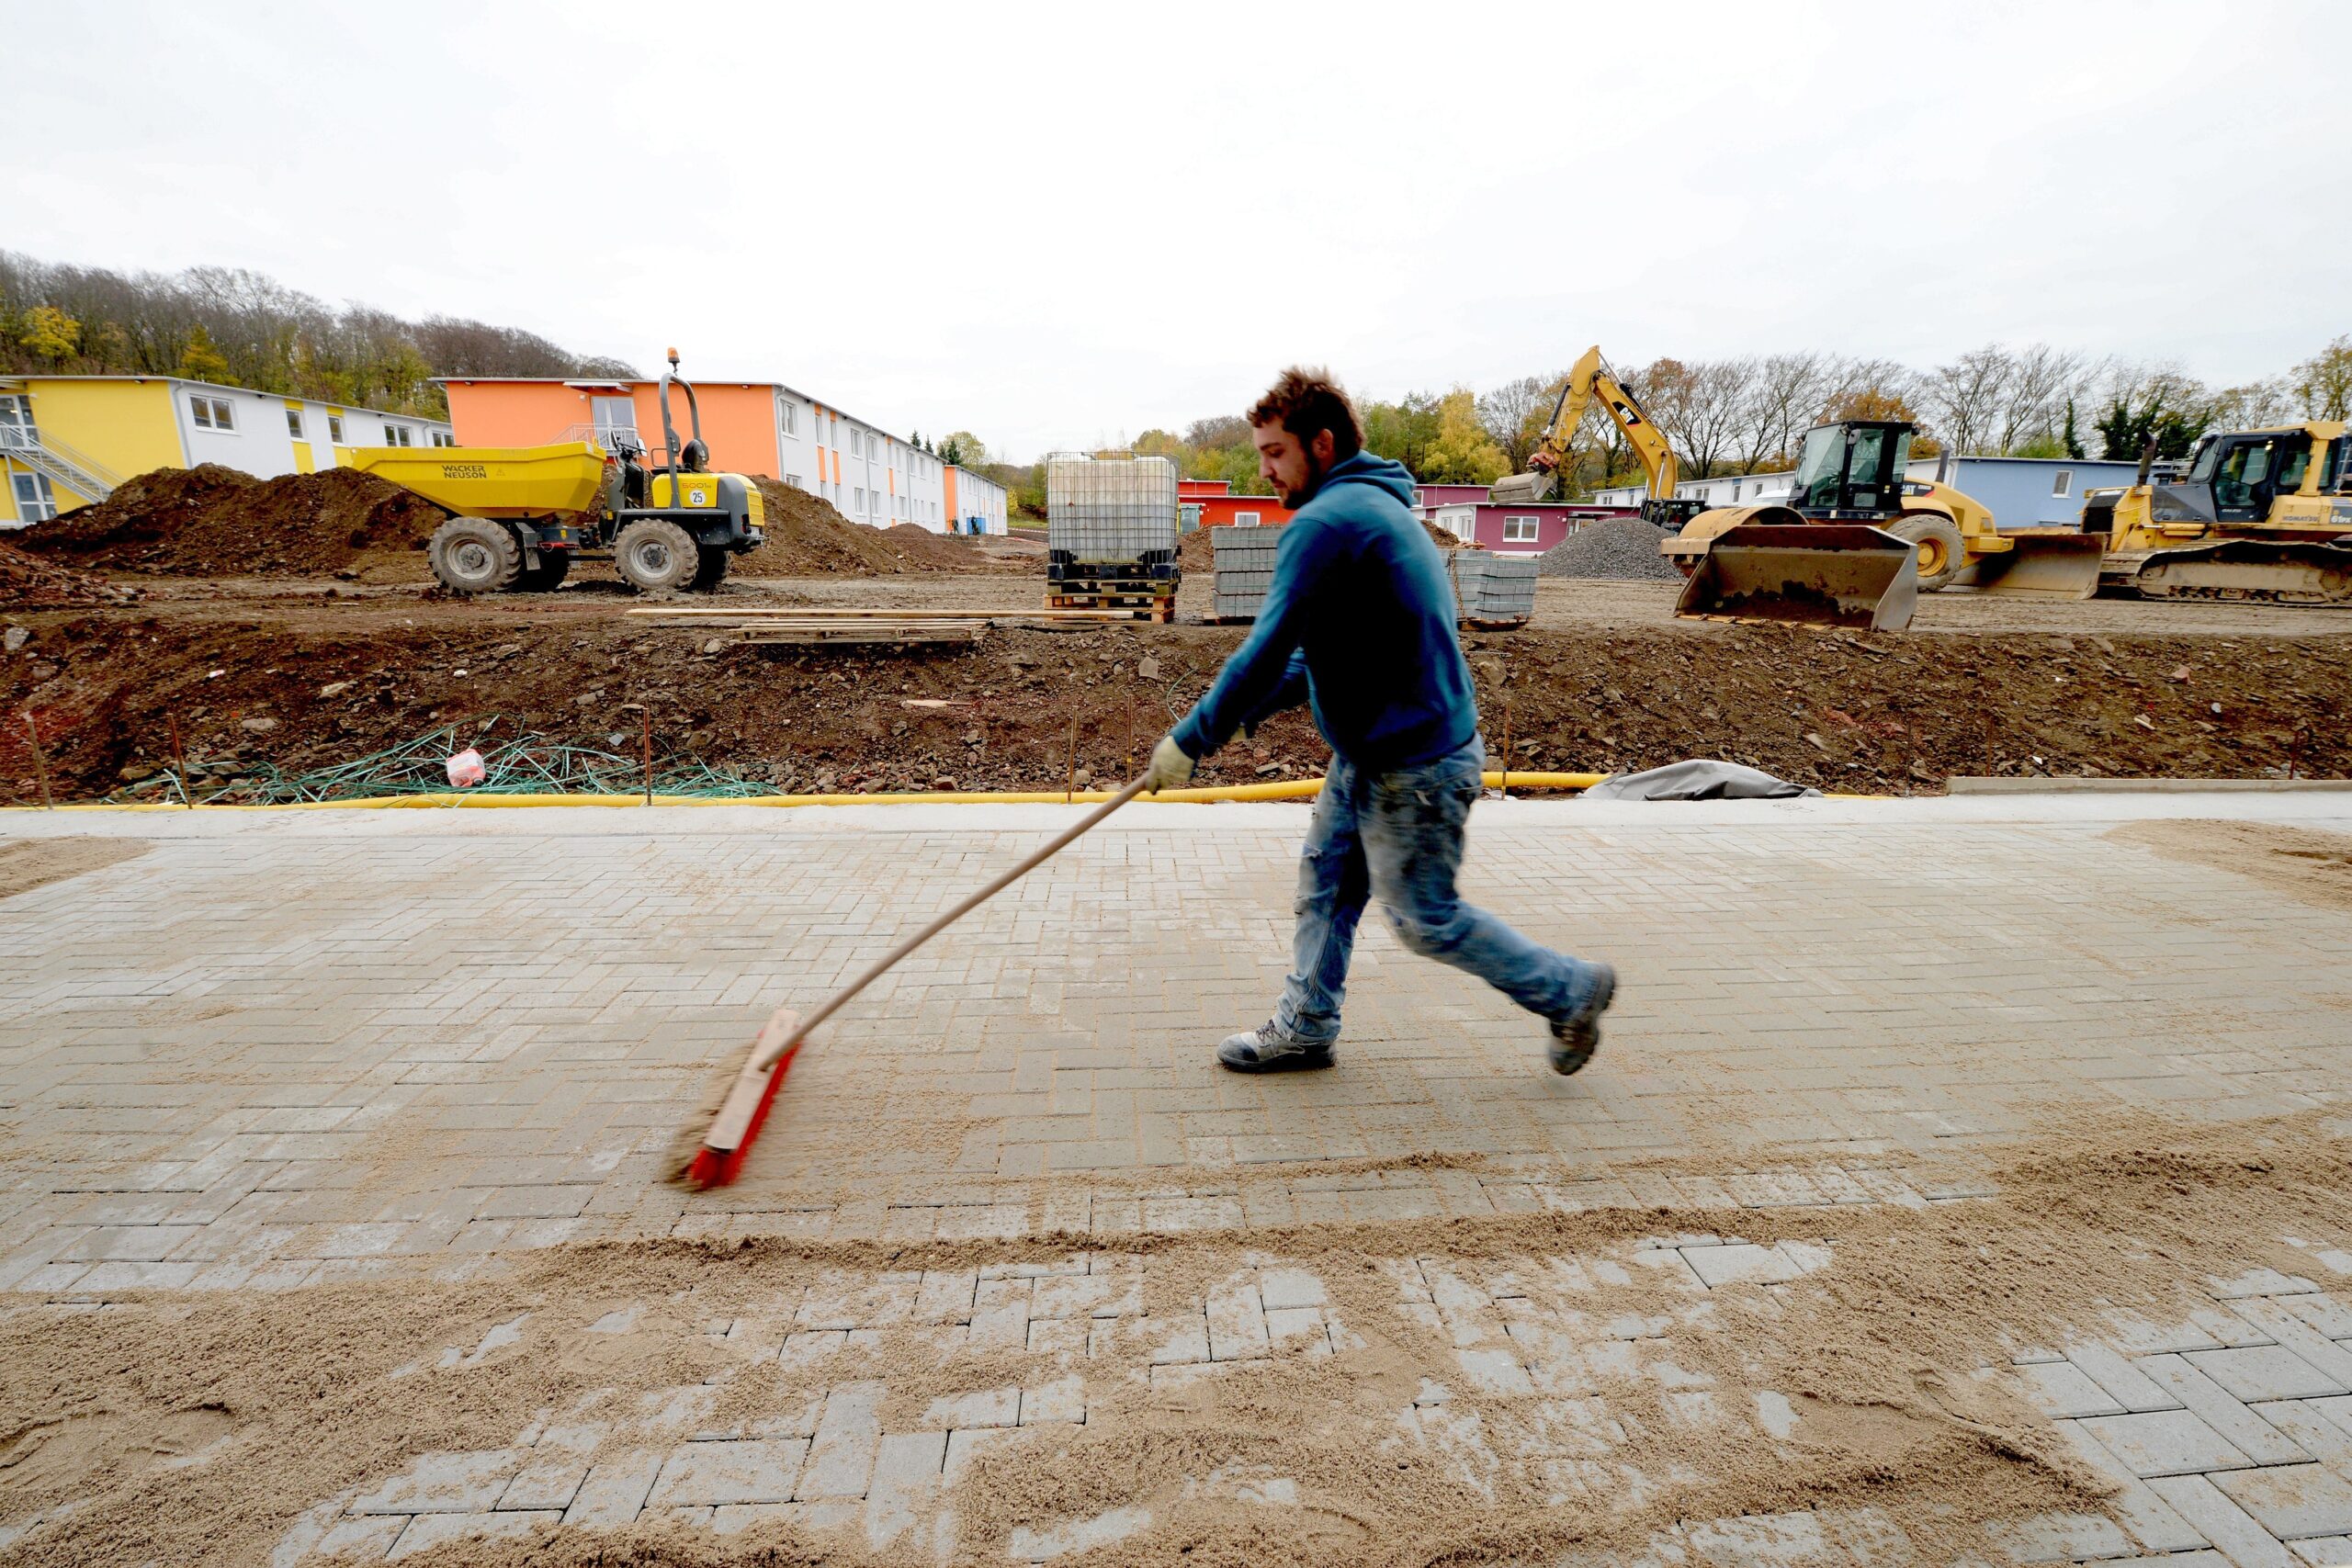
column 65, row 468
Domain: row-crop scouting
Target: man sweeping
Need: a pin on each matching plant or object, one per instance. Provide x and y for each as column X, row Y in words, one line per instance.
column 1359, row 623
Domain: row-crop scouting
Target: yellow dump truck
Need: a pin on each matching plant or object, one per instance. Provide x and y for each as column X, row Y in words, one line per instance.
column 518, row 516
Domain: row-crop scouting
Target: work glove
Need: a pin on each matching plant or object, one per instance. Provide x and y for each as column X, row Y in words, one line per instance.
column 1171, row 766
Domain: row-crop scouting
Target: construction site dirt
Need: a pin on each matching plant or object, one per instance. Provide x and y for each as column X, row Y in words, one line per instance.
column 307, row 674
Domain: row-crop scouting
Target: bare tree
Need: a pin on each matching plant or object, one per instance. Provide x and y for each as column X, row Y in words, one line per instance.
column 1965, row 398
column 2042, row 379
column 1513, row 414
column 1787, row 394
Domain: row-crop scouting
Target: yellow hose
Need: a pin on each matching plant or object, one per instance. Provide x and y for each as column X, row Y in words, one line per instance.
column 1285, row 789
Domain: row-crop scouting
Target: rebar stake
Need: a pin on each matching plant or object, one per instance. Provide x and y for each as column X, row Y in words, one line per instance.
column 41, row 763
column 179, row 760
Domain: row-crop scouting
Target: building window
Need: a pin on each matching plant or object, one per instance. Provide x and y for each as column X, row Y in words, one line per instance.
column 1245, row 520
column 858, row 502
column 334, row 429
column 857, row 442
column 2064, row 483
column 294, row 424
column 794, row 481
column 212, row 414
column 442, row 438
column 35, row 501
column 1520, row 530
column 399, row 435
column 787, row 418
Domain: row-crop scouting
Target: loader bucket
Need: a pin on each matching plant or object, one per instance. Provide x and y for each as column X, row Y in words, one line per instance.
column 1832, row 574
column 2053, row 564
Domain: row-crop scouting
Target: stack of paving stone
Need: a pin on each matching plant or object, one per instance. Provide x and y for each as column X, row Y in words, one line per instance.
column 1489, row 588
column 1245, row 569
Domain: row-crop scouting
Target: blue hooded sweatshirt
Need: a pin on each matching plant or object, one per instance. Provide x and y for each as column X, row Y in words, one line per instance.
column 1360, row 622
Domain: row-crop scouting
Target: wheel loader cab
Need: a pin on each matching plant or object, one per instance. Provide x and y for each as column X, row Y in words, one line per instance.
column 1852, row 469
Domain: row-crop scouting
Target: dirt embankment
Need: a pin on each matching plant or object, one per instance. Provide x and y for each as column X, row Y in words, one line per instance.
column 307, row 690
column 806, row 537
column 214, row 521
column 27, row 582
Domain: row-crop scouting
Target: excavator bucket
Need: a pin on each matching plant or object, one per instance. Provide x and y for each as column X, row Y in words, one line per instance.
column 1520, row 490
column 2051, row 564
column 1832, row 574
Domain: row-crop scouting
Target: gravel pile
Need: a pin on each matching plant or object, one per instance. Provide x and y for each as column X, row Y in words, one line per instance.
column 1615, row 546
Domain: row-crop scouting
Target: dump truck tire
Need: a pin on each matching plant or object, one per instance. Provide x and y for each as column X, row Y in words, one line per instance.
column 710, row 571
column 657, row 557
column 548, row 575
column 474, row 555
column 1943, row 556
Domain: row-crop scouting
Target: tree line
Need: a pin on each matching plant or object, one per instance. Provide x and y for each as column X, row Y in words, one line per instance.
column 241, row 329
column 1749, row 415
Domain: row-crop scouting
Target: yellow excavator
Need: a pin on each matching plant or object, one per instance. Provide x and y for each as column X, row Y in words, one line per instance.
column 1852, row 494
column 2261, row 516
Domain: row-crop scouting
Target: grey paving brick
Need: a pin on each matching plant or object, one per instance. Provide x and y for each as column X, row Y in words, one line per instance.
column 2149, row 1519
column 2061, row 1388
column 428, row 1531
column 2292, row 1500
column 2240, row 1537
column 750, row 1470
column 615, row 1489
column 444, row 1484
column 2261, row 1442
column 2164, row 1443
column 2272, row 1372
column 2123, row 1381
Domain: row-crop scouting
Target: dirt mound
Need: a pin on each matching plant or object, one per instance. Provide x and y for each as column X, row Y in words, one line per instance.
column 27, row 581
column 806, row 537
column 214, row 521
column 1614, row 547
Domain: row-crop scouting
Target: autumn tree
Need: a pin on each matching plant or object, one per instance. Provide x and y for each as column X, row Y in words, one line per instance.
column 48, row 332
column 202, row 361
column 1463, row 453
column 2323, row 381
column 963, row 449
column 1406, row 430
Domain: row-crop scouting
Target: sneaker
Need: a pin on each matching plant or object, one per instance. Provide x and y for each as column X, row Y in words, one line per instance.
column 1267, row 1049
column 1576, row 1037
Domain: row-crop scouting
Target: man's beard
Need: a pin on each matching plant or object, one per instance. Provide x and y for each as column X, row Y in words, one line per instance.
column 1295, row 499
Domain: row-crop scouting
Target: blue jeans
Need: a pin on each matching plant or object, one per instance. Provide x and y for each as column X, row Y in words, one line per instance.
column 1398, row 836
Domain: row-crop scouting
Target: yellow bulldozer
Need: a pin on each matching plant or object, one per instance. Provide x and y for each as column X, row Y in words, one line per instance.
column 1875, row 538
column 2260, row 516
column 518, row 516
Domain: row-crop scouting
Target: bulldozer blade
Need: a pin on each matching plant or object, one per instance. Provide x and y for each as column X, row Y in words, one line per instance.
column 1833, row 574
column 2053, row 565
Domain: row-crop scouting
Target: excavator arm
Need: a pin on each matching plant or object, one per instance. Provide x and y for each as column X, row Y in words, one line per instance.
column 1589, row 381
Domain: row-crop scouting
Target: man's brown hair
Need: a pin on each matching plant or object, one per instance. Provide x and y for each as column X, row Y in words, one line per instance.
column 1304, row 401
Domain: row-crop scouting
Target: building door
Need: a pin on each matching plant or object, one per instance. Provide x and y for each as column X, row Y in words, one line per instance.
column 615, row 417
column 17, row 428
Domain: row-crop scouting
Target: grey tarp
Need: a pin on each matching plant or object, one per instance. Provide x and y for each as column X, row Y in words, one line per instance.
column 1698, row 779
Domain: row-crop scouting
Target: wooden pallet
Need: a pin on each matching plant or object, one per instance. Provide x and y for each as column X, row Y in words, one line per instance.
column 778, row 629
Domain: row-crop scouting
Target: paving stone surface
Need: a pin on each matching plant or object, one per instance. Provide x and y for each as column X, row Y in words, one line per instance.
column 277, row 1051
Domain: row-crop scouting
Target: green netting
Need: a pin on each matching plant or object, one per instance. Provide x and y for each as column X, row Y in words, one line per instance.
column 529, row 764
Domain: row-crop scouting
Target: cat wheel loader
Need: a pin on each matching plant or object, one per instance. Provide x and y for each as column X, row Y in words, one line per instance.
column 2261, row 516
column 518, row 516
column 1851, row 487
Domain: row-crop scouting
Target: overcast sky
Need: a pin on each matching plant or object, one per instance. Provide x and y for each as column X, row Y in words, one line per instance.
column 1063, row 226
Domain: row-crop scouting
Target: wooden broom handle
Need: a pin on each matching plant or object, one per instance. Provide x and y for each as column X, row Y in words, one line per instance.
column 834, row 1003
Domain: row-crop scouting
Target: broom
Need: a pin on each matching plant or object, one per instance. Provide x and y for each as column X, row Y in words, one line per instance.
column 745, row 1108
